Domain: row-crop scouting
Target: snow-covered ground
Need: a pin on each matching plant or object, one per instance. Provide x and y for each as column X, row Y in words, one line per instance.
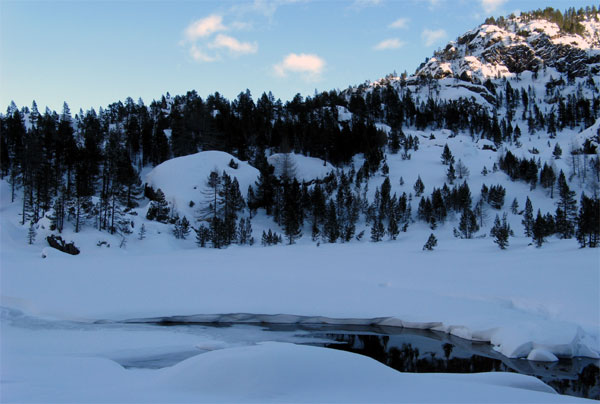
column 527, row 301
column 50, row 361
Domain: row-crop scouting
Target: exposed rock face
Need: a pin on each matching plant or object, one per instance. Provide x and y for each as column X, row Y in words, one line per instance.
column 58, row 243
column 491, row 51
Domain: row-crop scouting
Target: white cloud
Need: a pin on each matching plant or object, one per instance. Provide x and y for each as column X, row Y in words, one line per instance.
column 266, row 8
column 199, row 56
column 430, row 36
column 310, row 66
column 204, row 27
column 235, row 46
column 399, row 23
column 489, row 6
column 392, row 43
column 365, row 3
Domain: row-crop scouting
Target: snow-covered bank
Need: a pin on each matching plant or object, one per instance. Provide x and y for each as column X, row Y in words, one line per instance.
column 521, row 300
column 71, row 362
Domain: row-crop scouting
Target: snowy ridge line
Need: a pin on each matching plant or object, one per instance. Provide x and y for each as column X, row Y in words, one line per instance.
column 530, row 349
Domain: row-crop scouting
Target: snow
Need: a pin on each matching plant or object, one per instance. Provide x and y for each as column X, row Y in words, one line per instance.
column 541, row 355
column 304, row 168
column 183, row 179
column 72, row 362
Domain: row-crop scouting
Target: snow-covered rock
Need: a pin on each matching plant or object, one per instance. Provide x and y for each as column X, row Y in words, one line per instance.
column 541, row 355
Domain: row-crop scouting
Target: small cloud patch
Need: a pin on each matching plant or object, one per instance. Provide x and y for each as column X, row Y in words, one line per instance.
column 388, row 44
column 310, row 66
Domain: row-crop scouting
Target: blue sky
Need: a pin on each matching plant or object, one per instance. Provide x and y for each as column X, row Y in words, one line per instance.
column 93, row 53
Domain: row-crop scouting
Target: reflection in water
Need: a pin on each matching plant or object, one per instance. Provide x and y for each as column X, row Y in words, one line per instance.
column 412, row 350
column 426, row 351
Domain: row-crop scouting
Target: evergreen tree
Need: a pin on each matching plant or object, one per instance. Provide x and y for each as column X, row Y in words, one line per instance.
column 566, row 208
column 419, row 187
column 431, row 243
column 394, row 142
column 292, row 220
column 331, row 228
column 245, row 232
column 393, row 228
column 468, row 224
column 184, row 228
column 496, row 196
column 377, row 230
column 203, row 235
column 451, row 174
column 217, row 236
column 159, row 208
column 212, row 195
column 528, row 220
column 31, row 233
column 588, row 222
column 142, row 232
column 501, row 231
column 447, row 157
column 557, row 151
column 514, row 207
column 539, row 230
column 548, row 178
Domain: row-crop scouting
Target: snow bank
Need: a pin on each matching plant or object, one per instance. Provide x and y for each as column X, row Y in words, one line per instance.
column 183, row 179
column 304, row 168
column 466, row 288
column 66, row 363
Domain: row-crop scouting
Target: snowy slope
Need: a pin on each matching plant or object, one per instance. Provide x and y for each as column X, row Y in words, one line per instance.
column 304, row 168
column 183, row 179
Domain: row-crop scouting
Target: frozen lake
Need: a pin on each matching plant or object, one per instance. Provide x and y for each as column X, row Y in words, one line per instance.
column 403, row 349
column 151, row 346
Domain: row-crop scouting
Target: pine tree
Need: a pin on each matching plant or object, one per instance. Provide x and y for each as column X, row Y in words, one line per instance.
column 292, row 217
column 159, row 208
column 142, row 232
column 501, row 232
column 514, row 207
column 217, row 236
column 419, row 187
column 557, row 152
column 588, row 222
column 331, row 228
column 566, row 208
column 528, row 220
column 212, row 195
column 377, row 230
column 31, row 233
column 539, row 230
column 245, row 232
column 393, row 226
column 394, row 142
column 184, row 228
column 548, row 178
column 451, row 174
column 468, row 224
column 203, row 236
column 447, row 157
column 496, row 196
column 431, row 242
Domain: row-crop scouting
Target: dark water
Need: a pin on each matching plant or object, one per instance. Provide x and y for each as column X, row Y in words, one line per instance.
column 426, row 351
column 423, row 351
